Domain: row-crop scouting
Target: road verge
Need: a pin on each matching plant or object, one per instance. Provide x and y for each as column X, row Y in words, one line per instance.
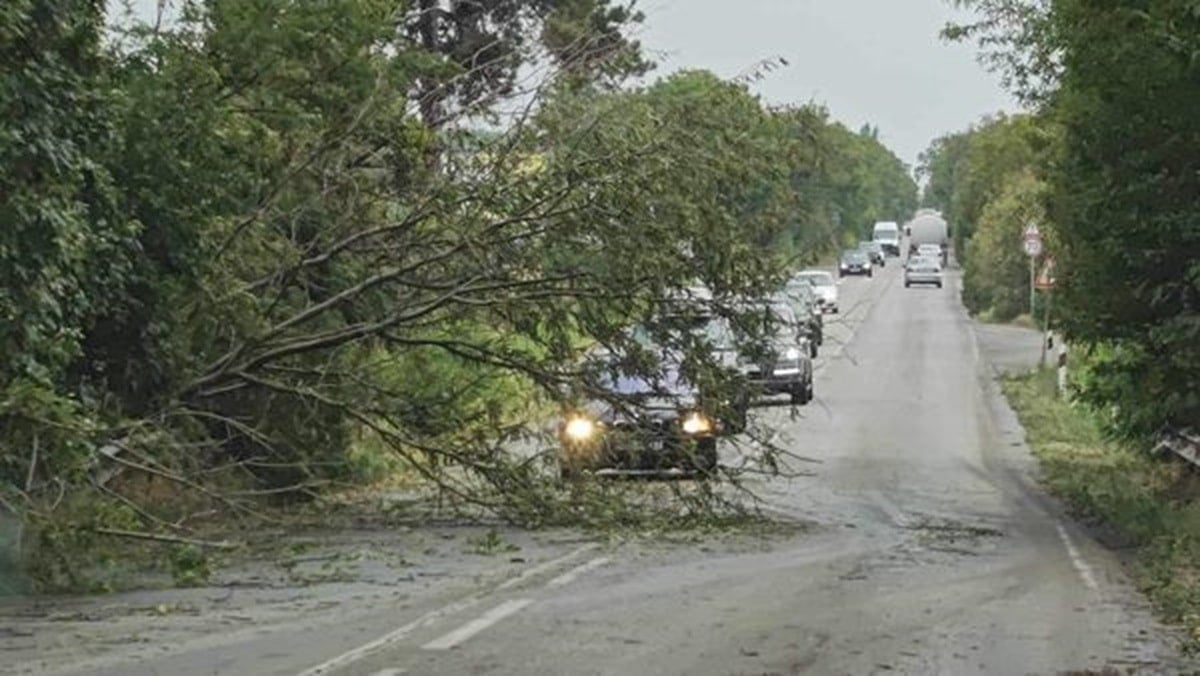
column 1143, row 506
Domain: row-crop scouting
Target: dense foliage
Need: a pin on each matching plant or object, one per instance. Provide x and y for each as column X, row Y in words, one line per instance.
column 983, row 181
column 1118, row 82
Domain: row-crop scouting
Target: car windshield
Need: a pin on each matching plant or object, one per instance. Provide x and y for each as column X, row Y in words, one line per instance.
column 854, row 256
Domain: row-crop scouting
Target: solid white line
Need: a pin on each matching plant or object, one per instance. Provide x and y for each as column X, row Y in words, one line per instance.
column 477, row 625
column 543, row 567
column 400, row 633
column 571, row 575
column 1077, row 560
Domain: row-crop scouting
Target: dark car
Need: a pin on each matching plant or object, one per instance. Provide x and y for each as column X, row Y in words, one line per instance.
column 874, row 251
column 778, row 361
column 640, row 423
column 809, row 314
column 855, row 262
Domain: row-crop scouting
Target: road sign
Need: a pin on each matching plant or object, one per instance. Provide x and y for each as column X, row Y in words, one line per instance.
column 1033, row 241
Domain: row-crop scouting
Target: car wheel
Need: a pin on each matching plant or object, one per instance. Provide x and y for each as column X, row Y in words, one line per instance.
column 704, row 456
column 907, row 284
column 870, row 273
column 811, row 392
column 939, row 285
column 812, row 350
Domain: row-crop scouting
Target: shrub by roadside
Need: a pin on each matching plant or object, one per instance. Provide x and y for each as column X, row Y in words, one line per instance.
column 1148, row 503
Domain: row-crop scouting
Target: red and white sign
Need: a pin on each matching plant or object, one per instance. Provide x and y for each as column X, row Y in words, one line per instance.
column 1033, row 241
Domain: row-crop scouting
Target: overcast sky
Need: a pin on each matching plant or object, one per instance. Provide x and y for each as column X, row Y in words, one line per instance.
column 877, row 61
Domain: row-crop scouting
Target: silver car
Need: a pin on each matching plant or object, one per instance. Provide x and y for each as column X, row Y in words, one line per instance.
column 923, row 271
column 824, row 286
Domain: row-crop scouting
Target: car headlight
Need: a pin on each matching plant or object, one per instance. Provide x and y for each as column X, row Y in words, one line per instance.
column 792, row 353
column 579, row 428
column 697, row 423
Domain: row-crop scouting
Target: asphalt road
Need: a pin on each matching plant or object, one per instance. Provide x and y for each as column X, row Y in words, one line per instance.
column 931, row 551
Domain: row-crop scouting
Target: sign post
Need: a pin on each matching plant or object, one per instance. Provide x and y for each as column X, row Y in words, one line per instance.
column 1033, row 249
column 1045, row 282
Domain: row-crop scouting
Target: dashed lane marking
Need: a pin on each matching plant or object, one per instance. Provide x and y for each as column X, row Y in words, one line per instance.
column 573, row 574
column 543, row 567
column 466, row 631
column 400, row 633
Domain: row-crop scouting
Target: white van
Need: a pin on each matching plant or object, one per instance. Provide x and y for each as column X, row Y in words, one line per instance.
column 887, row 233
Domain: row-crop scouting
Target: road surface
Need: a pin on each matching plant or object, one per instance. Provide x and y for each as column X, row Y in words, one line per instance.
column 931, row 551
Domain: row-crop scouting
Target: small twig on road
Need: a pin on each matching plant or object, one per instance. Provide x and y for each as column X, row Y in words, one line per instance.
column 159, row 537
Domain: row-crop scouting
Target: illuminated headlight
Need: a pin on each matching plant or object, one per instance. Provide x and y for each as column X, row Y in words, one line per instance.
column 579, row 428
column 792, row 354
column 697, row 423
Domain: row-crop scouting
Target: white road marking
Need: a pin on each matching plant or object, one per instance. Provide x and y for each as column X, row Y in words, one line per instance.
column 390, row 672
column 400, row 633
column 510, row 607
column 543, row 567
column 1077, row 560
column 571, row 575
column 352, row 656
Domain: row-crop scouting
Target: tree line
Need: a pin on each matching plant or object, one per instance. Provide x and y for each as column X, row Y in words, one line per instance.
column 263, row 250
column 1106, row 161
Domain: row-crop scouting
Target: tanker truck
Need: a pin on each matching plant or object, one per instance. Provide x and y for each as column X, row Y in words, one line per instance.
column 929, row 228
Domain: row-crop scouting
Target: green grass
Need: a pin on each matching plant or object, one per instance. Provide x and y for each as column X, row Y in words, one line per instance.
column 1148, row 503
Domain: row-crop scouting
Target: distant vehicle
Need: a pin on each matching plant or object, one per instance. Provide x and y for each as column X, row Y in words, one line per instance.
column 825, row 286
column 929, row 251
column 807, row 308
column 887, row 233
column 781, row 364
column 923, row 271
column 855, row 262
column 639, row 423
column 929, row 229
column 874, row 251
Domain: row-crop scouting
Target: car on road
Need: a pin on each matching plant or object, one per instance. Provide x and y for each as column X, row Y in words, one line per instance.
column 931, row 251
column 824, row 286
column 807, row 308
column 855, row 262
column 874, row 251
column 778, row 362
column 887, row 233
column 637, row 422
column 922, row 270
